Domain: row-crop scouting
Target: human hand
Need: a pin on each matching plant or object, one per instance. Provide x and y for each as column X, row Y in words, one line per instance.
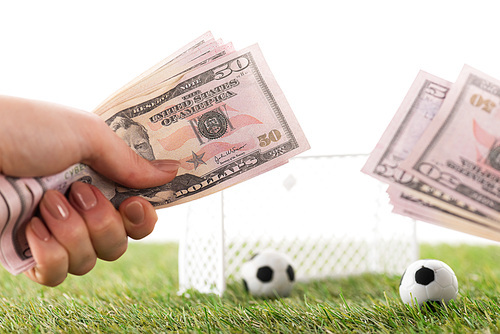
column 39, row 139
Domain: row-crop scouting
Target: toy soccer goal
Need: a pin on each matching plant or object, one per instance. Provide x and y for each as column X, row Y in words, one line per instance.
column 327, row 216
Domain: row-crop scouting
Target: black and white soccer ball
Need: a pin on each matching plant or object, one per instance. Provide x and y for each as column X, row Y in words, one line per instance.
column 268, row 274
column 428, row 281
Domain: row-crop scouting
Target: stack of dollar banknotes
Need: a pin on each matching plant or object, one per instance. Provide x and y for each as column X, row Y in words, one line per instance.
column 440, row 153
column 218, row 111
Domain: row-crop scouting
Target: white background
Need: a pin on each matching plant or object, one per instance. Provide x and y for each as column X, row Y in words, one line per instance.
column 344, row 65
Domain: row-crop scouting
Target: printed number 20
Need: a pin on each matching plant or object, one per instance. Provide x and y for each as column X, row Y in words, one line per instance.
column 272, row 136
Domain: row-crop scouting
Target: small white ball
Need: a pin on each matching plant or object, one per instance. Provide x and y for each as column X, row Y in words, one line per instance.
column 428, row 280
column 268, row 274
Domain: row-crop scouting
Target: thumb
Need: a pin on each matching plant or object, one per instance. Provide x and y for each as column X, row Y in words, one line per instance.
column 111, row 157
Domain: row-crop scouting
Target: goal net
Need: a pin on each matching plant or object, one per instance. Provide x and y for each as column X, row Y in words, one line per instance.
column 322, row 212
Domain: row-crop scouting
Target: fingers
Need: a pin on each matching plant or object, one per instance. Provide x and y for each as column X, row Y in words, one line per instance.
column 104, row 223
column 111, row 156
column 50, row 256
column 70, row 230
column 72, row 233
column 139, row 217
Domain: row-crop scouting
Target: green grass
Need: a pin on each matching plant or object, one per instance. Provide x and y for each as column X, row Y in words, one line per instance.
column 138, row 294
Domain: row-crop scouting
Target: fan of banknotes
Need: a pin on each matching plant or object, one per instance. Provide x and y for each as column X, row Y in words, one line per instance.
column 440, row 153
column 218, row 111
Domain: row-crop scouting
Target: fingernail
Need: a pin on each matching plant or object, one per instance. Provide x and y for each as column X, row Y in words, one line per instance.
column 169, row 166
column 135, row 212
column 83, row 196
column 40, row 229
column 55, row 205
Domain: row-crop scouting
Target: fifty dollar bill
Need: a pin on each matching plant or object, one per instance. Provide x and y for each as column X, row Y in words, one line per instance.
column 219, row 112
column 460, row 151
column 410, row 195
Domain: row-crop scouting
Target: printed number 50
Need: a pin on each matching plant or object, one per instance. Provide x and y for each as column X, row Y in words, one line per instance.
column 272, row 136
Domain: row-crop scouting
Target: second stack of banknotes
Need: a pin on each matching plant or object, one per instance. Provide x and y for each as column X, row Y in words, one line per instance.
column 440, row 153
column 218, row 111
